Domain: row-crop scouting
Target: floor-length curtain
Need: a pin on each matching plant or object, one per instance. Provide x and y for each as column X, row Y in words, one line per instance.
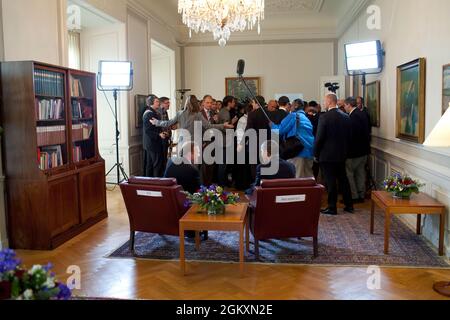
column 74, row 50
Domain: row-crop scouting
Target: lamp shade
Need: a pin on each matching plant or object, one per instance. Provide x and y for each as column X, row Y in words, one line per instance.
column 440, row 136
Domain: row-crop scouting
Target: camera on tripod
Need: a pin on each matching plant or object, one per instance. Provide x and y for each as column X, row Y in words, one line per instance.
column 332, row 87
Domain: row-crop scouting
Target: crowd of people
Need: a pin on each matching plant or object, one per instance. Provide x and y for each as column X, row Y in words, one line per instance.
column 335, row 143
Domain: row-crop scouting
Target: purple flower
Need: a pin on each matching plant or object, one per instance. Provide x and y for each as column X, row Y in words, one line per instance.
column 187, row 204
column 64, row 292
column 48, row 267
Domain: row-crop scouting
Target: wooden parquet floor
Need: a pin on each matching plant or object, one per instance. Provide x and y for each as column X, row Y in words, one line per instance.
column 142, row 279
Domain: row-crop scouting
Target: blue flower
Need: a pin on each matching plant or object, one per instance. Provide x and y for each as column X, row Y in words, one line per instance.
column 64, row 292
column 8, row 261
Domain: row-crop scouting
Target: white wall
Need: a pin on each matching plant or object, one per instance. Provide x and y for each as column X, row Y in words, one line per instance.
column 113, row 8
column 34, row 30
column 108, row 43
column 163, row 73
column 139, row 53
column 2, row 48
column 410, row 29
column 283, row 68
column 141, row 29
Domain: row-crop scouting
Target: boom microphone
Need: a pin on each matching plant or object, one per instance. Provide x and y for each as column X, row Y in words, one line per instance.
column 241, row 67
column 240, row 72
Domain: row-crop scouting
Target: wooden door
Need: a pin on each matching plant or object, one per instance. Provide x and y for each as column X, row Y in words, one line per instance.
column 92, row 188
column 63, row 204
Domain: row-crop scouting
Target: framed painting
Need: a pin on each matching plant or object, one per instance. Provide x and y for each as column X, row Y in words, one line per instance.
column 236, row 88
column 372, row 99
column 411, row 86
column 140, row 105
column 445, row 88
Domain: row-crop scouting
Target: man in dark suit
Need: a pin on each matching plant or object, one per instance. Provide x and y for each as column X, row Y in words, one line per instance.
column 183, row 168
column 207, row 170
column 270, row 159
column 313, row 113
column 361, row 107
column 284, row 105
column 164, row 112
column 187, row 174
column 358, row 151
column 331, row 150
column 153, row 140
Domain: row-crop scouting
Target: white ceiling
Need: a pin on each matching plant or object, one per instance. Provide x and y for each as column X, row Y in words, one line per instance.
column 285, row 19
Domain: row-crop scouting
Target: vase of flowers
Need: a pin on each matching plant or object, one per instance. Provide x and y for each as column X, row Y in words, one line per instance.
column 38, row 283
column 401, row 187
column 212, row 200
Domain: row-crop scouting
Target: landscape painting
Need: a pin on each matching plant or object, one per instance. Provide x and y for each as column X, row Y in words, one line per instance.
column 373, row 102
column 236, row 88
column 411, row 101
column 446, row 88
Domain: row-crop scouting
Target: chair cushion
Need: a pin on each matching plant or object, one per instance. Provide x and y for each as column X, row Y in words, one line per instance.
column 288, row 183
column 161, row 182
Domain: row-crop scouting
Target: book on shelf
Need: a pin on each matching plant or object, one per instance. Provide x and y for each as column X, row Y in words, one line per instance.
column 51, row 135
column 77, row 154
column 81, row 109
column 50, row 157
column 48, row 83
column 49, row 109
column 77, row 88
column 81, row 131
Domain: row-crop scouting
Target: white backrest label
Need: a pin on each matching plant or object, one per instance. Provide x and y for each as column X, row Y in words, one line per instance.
column 151, row 194
column 291, row 199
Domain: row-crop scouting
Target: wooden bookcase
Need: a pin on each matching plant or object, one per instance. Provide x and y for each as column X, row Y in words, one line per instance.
column 55, row 177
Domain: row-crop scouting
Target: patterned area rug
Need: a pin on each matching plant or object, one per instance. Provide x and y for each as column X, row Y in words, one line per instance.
column 343, row 240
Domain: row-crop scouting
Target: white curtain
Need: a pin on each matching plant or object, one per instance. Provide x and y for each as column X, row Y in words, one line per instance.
column 74, row 50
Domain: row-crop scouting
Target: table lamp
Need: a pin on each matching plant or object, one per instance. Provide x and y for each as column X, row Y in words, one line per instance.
column 440, row 138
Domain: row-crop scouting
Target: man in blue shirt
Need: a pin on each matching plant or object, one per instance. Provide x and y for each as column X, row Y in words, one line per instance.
column 297, row 124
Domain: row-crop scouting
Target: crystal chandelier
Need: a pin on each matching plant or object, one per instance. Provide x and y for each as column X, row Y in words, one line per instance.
column 221, row 17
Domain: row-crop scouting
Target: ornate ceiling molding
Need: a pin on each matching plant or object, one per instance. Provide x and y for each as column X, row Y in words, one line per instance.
column 277, row 6
column 351, row 16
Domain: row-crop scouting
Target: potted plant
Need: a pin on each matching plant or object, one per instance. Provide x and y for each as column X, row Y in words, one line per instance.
column 213, row 200
column 38, row 283
column 401, row 187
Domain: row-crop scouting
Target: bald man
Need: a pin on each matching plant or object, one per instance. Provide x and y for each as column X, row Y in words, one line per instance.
column 331, row 150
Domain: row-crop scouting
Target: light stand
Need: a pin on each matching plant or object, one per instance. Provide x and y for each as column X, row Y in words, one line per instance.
column 116, row 76
column 118, row 165
column 363, row 82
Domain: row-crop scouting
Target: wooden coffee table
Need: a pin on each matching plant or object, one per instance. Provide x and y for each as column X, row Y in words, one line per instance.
column 418, row 204
column 235, row 219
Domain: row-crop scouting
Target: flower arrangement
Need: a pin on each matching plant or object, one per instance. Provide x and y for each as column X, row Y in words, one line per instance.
column 401, row 187
column 213, row 199
column 38, row 283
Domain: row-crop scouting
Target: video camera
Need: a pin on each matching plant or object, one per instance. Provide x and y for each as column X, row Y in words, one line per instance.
column 332, row 87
